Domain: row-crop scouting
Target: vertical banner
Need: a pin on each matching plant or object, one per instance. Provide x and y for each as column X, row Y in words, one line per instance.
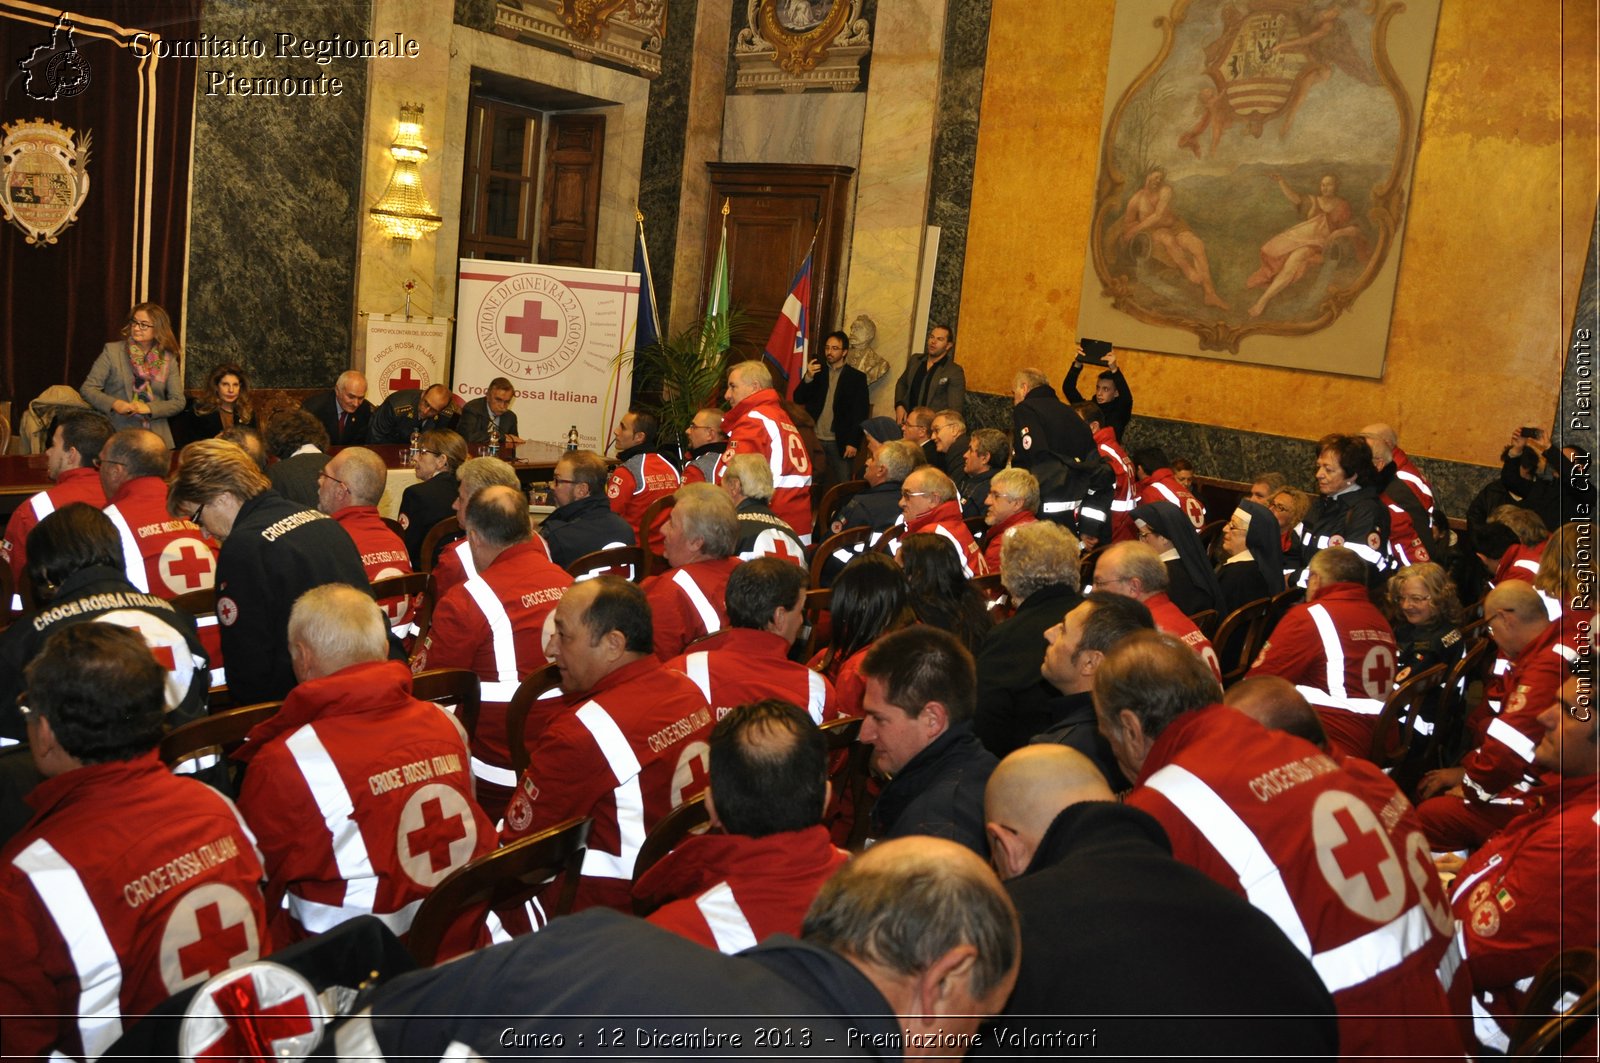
column 557, row 333
column 403, row 354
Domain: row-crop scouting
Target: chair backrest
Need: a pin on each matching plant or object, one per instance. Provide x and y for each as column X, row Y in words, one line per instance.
column 1542, row 1031
column 653, row 562
column 1282, row 602
column 395, row 526
column 606, row 563
column 410, row 586
column 529, row 693
column 1473, row 629
column 451, row 687
column 1210, row 531
column 446, row 529
column 818, row 602
column 848, row 539
column 889, row 541
column 691, row 817
column 995, row 596
column 832, row 501
column 221, row 732
column 1397, row 723
column 202, row 602
column 1205, row 620
column 1234, row 637
column 1086, row 565
column 503, row 878
column 849, row 772
column 1450, row 711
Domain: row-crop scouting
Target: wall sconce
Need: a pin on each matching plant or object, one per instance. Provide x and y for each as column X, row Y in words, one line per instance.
column 404, row 212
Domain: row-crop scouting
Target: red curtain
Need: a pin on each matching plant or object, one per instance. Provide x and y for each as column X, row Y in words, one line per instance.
column 61, row 302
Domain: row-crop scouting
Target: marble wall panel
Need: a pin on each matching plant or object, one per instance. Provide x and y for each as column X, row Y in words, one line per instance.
column 275, row 208
column 661, row 169
column 822, row 129
column 955, row 150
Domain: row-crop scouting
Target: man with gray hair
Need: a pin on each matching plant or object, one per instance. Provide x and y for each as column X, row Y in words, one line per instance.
column 493, row 625
column 757, row 423
column 748, row 481
column 689, row 600
column 904, row 952
column 1039, row 570
column 1137, row 571
column 349, row 489
column 1011, row 502
column 165, row 555
column 987, row 452
column 319, row 787
column 344, row 411
column 877, row 506
column 928, row 501
column 454, row 564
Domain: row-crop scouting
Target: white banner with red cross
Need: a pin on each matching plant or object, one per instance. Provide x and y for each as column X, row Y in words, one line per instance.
column 404, row 354
column 556, row 332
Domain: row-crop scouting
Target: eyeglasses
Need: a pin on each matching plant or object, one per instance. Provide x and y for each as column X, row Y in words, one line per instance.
column 559, row 480
column 323, row 475
column 1415, row 599
column 98, row 462
column 141, row 324
column 915, row 494
column 941, row 427
column 194, row 518
column 435, row 453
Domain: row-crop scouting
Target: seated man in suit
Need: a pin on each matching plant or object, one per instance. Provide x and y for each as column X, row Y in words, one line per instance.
column 493, row 408
column 344, row 411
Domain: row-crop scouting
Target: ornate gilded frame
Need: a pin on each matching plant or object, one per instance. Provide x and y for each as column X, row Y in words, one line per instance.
column 798, row 52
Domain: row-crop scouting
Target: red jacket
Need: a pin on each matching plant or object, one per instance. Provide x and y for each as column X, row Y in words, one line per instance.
column 637, row 482
column 455, row 565
column 731, row 892
column 1162, row 486
column 166, row 556
column 759, row 425
column 1175, row 622
column 1333, row 853
column 1501, row 770
column 1525, row 895
column 1339, row 651
column 129, row 884
column 945, row 519
column 349, row 826
column 1520, row 562
column 1126, row 495
column 633, row 749
column 740, row 665
column 73, row 485
column 1407, row 470
column 493, row 624
column 688, row 602
column 383, row 554
column 995, row 536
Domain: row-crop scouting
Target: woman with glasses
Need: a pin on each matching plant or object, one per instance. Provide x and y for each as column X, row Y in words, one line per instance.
column 1425, row 612
column 439, row 454
column 1252, row 564
column 138, row 381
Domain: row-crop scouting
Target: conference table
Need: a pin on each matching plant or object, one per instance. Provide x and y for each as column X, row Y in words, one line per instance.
column 24, row 475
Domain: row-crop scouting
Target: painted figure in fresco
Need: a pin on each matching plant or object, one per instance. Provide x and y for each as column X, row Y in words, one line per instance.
column 1286, row 257
column 1150, row 211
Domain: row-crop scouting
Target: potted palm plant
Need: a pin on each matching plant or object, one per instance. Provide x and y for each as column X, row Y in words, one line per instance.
column 673, row 378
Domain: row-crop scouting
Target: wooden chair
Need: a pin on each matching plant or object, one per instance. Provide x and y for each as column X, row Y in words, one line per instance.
column 850, row 772
column 832, row 502
column 1540, row 1030
column 530, row 692
column 456, row 689
column 1086, row 565
column 819, row 600
column 976, row 526
column 889, row 541
column 197, row 604
column 1211, row 530
column 994, row 595
column 1238, row 632
column 1206, row 621
column 603, row 562
column 848, row 539
column 410, row 586
column 395, row 526
column 1474, row 629
column 653, row 562
column 220, row 733
column 691, row 817
column 1279, row 604
column 439, row 534
column 1450, row 711
column 1397, row 723
column 504, row 878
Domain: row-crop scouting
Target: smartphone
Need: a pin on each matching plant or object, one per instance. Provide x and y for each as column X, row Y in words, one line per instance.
column 1095, row 351
column 1529, row 433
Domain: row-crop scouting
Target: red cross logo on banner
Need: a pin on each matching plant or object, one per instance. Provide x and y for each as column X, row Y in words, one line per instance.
column 404, row 382
column 436, row 834
column 1355, row 856
column 262, row 1011
column 532, row 326
column 693, row 772
column 210, row 929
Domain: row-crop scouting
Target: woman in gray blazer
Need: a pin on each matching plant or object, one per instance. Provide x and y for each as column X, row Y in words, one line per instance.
column 138, row 381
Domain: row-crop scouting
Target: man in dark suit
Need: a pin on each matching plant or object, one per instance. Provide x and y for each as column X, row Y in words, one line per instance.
column 834, row 393
column 493, row 408
column 299, row 443
column 344, row 411
column 412, row 410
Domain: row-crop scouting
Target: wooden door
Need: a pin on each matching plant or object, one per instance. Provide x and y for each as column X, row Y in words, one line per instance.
column 572, row 189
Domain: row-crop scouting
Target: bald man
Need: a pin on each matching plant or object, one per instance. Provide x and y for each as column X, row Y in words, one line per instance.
column 1277, row 705
column 1108, row 917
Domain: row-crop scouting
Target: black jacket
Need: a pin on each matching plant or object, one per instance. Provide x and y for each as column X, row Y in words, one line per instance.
column 1074, row 724
column 396, row 419
column 1115, row 414
column 1353, row 519
column 422, row 506
column 295, row 478
column 872, row 507
column 324, row 406
column 1052, row 442
column 474, row 422
column 583, row 526
column 939, row 792
column 1153, row 954
column 851, row 405
column 974, row 490
column 945, row 388
column 1012, row 699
